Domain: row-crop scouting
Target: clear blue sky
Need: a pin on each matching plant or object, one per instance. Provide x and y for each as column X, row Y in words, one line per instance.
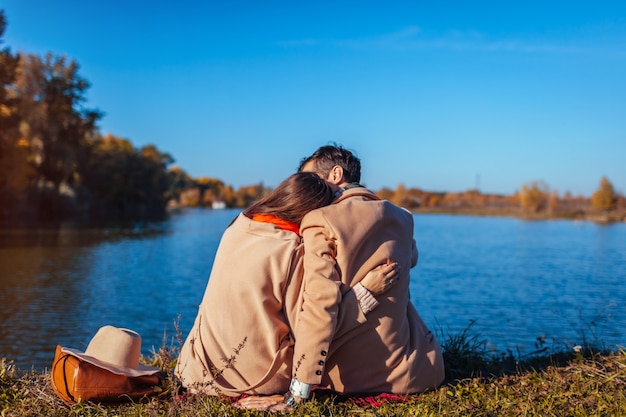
column 440, row 95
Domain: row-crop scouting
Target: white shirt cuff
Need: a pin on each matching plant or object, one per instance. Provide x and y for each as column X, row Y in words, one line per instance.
column 299, row 389
column 366, row 300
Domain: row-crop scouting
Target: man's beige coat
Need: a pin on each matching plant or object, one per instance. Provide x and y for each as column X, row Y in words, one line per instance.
column 242, row 333
column 393, row 351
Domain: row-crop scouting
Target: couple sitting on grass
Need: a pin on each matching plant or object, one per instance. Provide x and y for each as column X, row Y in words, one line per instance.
column 310, row 289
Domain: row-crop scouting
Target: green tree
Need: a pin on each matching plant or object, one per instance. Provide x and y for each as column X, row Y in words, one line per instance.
column 605, row 197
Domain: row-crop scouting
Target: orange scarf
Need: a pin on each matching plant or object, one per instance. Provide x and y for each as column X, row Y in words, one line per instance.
column 281, row 223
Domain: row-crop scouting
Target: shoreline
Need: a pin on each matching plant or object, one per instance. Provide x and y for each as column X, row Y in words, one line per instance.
column 618, row 216
column 610, row 218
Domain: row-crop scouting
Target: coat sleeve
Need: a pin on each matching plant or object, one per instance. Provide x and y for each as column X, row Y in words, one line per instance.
column 321, row 299
column 414, row 254
column 350, row 314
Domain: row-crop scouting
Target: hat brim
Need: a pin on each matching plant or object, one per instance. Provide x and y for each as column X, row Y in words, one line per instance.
column 142, row 370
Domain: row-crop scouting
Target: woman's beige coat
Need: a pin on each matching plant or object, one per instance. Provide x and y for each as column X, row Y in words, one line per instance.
column 393, row 351
column 243, row 331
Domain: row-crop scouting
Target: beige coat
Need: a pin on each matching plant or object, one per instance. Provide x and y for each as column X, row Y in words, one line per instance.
column 251, row 300
column 393, row 351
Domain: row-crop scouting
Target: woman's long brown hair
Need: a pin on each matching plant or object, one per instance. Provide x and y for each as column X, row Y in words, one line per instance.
column 294, row 197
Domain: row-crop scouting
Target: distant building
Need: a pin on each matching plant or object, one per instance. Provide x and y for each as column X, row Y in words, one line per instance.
column 218, row 205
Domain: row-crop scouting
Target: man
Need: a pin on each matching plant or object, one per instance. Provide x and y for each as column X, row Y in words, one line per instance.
column 393, row 351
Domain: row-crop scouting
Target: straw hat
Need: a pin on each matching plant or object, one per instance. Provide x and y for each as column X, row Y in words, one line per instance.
column 116, row 350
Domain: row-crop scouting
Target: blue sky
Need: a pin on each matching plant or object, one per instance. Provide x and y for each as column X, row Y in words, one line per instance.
column 439, row 95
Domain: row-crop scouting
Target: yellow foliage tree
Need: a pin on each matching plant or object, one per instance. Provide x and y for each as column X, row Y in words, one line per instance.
column 533, row 197
column 605, row 197
column 400, row 195
column 385, row 194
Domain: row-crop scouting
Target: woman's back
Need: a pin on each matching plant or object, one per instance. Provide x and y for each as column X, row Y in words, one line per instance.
column 242, row 328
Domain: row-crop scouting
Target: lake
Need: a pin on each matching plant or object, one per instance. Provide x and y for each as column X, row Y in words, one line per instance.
column 515, row 281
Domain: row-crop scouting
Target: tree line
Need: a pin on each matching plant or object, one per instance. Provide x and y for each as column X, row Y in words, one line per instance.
column 533, row 200
column 55, row 163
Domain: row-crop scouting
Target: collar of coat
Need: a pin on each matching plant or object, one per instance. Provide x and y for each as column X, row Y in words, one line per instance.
column 355, row 191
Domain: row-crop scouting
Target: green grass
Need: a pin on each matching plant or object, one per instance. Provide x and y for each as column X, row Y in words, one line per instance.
column 579, row 382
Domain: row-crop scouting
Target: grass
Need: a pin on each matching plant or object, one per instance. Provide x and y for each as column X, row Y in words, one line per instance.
column 578, row 382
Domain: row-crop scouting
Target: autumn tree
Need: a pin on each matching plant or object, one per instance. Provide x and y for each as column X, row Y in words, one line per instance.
column 385, row 193
column 15, row 171
column 245, row 195
column 179, row 180
column 52, row 152
column 403, row 197
column 104, row 184
column 54, row 122
column 605, row 197
column 229, row 196
column 211, row 190
column 400, row 195
column 433, row 199
column 153, row 179
column 553, row 201
column 621, row 202
column 120, row 181
column 533, row 197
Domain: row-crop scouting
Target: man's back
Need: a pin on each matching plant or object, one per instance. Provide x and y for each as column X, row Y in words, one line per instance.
column 393, row 351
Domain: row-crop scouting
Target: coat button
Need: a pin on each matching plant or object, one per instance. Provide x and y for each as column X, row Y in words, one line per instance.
column 320, row 363
column 323, row 353
column 318, row 372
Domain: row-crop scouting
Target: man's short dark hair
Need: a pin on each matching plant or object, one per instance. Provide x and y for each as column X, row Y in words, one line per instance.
column 326, row 157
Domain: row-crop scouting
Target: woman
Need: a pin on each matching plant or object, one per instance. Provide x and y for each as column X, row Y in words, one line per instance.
column 241, row 341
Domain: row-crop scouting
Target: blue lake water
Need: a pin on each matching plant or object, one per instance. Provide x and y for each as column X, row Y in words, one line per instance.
column 516, row 280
